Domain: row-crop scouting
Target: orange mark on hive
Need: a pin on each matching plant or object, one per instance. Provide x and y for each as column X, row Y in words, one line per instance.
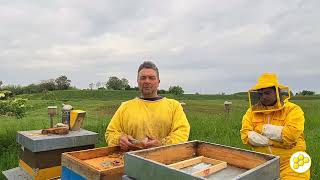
column 206, row 172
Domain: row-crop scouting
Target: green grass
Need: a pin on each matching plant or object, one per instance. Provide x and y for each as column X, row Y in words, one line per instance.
column 209, row 121
column 205, row 113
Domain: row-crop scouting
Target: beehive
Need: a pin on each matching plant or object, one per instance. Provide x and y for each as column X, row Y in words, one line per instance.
column 40, row 154
column 93, row 164
column 157, row 163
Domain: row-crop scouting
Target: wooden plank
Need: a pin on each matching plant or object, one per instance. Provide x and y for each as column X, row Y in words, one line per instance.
column 94, row 153
column 217, row 165
column 211, row 161
column 241, row 159
column 186, row 163
column 58, row 130
column 170, row 154
column 116, row 174
column 210, row 170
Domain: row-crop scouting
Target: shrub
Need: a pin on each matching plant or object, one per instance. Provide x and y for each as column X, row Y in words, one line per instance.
column 14, row 107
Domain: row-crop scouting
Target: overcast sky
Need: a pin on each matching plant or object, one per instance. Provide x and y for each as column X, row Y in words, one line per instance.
column 203, row 46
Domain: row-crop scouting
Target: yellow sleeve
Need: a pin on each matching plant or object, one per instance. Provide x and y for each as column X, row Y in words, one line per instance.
column 293, row 127
column 246, row 127
column 280, row 144
column 180, row 128
column 114, row 130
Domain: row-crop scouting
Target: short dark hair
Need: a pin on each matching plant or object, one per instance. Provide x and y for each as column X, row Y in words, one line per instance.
column 149, row 65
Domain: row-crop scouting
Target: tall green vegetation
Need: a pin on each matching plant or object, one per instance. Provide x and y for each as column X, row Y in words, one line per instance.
column 13, row 107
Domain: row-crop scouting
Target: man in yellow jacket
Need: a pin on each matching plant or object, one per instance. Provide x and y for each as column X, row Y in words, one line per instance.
column 273, row 125
column 150, row 119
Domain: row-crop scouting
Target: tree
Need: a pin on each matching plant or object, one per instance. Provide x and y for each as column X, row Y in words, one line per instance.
column 307, row 93
column 162, row 91
column 0, row 84
column 48, row 85
column 177, row 90
column 98, row 84
column 114, row 83
column 125, row 84
column 117, row 84
column 91, row 85
column 62, row 82
column 15, row 89
column 132, row 88
column 32, row 88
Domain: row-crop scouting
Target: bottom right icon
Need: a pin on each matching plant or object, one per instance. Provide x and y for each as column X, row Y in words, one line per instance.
column 300, row 162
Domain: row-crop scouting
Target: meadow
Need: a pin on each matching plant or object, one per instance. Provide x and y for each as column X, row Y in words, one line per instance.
column 209, row 122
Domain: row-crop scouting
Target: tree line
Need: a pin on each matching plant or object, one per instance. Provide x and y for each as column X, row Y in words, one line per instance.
column 115, row 83
column 305, row 93
column 63, row 83
column 60, row 83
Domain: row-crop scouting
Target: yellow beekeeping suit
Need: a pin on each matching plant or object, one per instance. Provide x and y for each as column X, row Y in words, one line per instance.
column 163, row 119
column 292, row 118
column 286, row 115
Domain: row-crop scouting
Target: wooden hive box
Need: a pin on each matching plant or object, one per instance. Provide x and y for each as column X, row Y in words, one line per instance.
column 200, row 160
column 93, row 164
column 46, row 164
column 40, row 154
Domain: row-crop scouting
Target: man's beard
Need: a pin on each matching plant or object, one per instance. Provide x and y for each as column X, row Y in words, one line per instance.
column 147, row 92
column 269, row 104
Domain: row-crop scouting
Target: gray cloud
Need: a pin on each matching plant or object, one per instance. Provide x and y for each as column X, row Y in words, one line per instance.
column 207, row 47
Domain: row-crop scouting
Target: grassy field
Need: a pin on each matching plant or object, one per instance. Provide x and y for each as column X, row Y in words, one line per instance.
column 207, row 118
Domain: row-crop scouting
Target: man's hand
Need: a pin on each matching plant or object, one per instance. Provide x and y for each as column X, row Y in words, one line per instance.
column 152, row 142
column 125, row 143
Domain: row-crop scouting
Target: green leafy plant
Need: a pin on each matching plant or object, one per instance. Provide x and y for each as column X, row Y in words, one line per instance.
column 14, row 107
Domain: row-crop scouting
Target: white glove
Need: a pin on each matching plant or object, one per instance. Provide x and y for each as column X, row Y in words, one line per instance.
column 256, row 139
column 272, row 132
